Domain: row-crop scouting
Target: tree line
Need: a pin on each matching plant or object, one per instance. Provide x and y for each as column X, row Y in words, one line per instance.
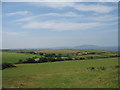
column 54, row 59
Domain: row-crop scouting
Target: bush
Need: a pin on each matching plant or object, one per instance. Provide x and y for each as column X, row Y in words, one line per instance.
column 7, row 65
column 98, row 68
column 42, row 59
column 20, row 61
column 82, row 58
column 101, row 68
column 0, row 66
column 59, row 59
column 29, row 60
column 117, row 66
column 91, row 68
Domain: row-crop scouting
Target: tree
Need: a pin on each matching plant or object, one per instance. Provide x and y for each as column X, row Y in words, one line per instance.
column 51, row 59
column 20, row 61
column 29, row 60
column 59, row 59
column 42, row 59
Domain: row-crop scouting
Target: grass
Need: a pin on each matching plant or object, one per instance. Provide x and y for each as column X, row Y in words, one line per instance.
column 68, row 51
column 13, row 57
column 64, row 74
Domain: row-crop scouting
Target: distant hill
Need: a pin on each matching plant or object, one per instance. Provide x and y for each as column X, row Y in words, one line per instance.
column 95, row 47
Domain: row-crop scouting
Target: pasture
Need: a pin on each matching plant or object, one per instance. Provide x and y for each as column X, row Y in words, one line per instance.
column 64, row 74
column 67, row 72
column 13, row 57
column 69, row 51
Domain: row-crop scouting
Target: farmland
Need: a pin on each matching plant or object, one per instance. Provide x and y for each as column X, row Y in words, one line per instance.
column 13, row 57
column 99, row 72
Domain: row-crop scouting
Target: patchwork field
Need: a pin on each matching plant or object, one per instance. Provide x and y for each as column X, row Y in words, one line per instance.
column 13, row 57
column 88, row 73
column 69, row 51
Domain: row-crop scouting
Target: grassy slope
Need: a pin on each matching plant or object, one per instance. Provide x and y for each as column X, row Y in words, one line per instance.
column 0, row 57
column 70, row 50
column 64, row 74
column 13, row 57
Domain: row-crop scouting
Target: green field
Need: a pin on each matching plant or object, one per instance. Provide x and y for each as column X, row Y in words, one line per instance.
column 13, row 57
column 88, row 73
column 64, row 74
column 69, row 51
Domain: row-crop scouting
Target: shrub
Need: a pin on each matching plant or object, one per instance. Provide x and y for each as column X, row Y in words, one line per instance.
column 20, row 61
column 0, row 66
column 82, row 58
column 42, row 59
column 59, row 59
column 117, row 66
column 101, row 68
column 91, row 68
column 30, row 60
column 7, row 65
column 50, row 59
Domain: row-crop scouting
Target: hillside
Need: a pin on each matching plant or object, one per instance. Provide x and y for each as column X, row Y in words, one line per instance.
column 60, row 68
column 65, row 74
column 14, row 56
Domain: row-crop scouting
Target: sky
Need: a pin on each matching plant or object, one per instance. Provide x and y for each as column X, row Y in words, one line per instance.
column 59, row 24
column 0, row 26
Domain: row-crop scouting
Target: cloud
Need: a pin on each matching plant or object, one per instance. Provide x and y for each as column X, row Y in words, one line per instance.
column 102, row 18
column 58, row 5
column 108, row 0
column 18, row 13
column 13, row 33
column 73, row 17
column 26, row 19
column 62, row 26
column 60, row 1
column 80, row 7
column 94, row 8
column 111, row 30
column 67, row 14
column 0, row 31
